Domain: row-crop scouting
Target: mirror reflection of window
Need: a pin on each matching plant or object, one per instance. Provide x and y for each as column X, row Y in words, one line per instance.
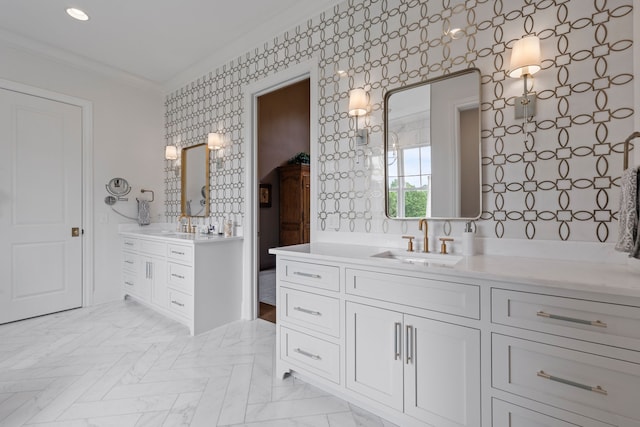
column 409, row 161
column 432, row 147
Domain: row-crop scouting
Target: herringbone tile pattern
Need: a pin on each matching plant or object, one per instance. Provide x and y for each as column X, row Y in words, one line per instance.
column 121, row 364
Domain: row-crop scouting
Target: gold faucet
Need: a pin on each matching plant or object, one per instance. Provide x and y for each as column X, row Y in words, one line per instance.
column 425, row 241
column 188, row 222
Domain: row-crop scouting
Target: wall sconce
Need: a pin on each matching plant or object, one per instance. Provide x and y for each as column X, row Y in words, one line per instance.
column 215, row 144
column 171, row 153
column 525, row 61
column 358, row 107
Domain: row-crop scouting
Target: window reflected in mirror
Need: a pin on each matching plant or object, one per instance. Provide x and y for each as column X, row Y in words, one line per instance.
column 432, row 148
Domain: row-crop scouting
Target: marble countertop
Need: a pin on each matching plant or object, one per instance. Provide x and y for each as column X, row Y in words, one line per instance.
column 168, row 235
column 615, row 279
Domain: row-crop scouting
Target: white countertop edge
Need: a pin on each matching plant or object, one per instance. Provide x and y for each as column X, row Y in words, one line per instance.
column 179, row 238
column 608, row 278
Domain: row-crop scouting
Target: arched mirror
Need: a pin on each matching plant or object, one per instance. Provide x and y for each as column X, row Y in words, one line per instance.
column 195, row 180
column 432, row 148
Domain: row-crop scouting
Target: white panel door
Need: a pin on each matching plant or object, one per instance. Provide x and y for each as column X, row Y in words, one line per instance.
column 40, row 203
column 449, row 356
column 374, row 353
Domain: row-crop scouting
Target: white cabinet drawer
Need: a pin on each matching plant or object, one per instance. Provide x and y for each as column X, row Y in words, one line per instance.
column 130, row 262
column 309, row 353
column 180, row 277
column 506, row 414
column 311, row 311
column 309, row 274
column 437, row 295
column 130, row 244
column 180, row 253
column 588, row 320
column 153, row 248
column 181, row 303
column 132, row 285
column 572, row 380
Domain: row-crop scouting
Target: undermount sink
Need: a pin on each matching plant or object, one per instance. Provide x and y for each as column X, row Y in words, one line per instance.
column 420, row 258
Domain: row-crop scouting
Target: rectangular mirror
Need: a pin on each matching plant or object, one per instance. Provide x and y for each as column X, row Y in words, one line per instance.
column 195, row 180
column 432, row 148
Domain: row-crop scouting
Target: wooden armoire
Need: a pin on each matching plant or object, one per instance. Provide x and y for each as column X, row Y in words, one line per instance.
column 294, row 204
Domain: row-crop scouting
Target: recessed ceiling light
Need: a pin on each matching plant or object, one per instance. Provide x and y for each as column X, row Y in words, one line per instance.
column 78, row 14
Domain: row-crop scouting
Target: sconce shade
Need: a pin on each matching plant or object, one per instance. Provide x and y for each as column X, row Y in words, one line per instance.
column 525, row 57
column 357, row 102
column 214, row 141
column 171, row 152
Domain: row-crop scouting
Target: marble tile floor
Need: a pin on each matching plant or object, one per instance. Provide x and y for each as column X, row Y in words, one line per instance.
column 121, row 364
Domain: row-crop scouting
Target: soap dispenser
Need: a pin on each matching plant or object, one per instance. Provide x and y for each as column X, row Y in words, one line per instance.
column 468, row 240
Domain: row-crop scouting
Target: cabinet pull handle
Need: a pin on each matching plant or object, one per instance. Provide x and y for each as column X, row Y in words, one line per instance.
column 177, row 275
column 128, row 243
column 128, row 283
column 307, row 354
column 409, row 340
column 129, row 262
column 303, row 274
column 177, row 303
column 307, row 311
column 146, row 272
column 572, row 319
column 596, row 389
column 398, row 343
column 177, row 253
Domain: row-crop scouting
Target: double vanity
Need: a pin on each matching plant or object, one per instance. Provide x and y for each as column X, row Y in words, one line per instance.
column 439, row 340
column 195, row 279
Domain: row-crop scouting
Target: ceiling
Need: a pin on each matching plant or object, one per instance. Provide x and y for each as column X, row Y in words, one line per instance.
column 154, row 40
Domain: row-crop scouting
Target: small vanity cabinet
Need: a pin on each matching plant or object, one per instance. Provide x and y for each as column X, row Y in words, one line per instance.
column 465, row 345
column 197, row 282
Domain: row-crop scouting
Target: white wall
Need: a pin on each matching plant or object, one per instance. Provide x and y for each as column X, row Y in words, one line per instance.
column 127, row 142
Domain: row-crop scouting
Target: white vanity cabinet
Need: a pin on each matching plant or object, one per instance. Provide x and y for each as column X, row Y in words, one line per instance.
column 310, row 320
column 365, row 334
column 468, row 345
column 426, row 368
column 573, row 353
column 198, row 283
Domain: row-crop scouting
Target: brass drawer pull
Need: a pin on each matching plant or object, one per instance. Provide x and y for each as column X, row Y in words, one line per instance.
column 313, row 276
column 177, row 275
column 129, row 262
column 307, row 311
column 596, row 389
column 307, row 354
column 177, row 303
column 177, row 253
column 128, row 283
column 572, row 319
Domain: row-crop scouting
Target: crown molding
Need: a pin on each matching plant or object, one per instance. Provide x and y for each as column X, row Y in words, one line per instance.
column 65, row 57
column 264, row 33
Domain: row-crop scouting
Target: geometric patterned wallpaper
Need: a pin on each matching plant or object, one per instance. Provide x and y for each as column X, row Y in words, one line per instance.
column 555, row 178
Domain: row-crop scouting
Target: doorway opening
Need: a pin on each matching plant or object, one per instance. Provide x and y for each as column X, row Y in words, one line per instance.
column 283, row 142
